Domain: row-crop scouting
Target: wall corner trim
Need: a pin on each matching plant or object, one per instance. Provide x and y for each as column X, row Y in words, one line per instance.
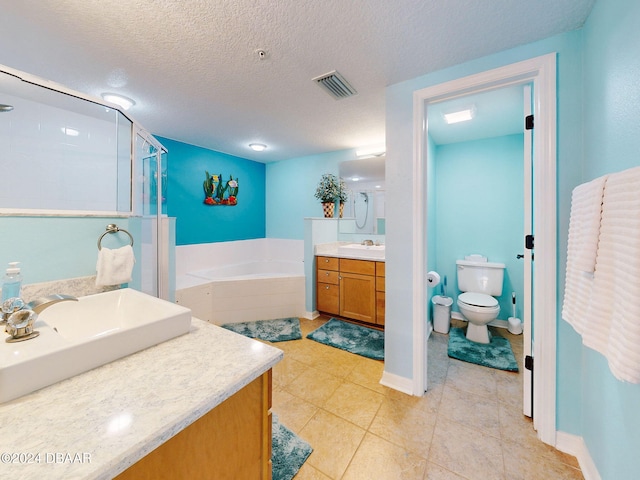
column 575, row 445
column 402, row 384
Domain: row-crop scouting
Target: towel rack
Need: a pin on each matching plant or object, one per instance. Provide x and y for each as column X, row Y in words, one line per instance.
column 113, row 228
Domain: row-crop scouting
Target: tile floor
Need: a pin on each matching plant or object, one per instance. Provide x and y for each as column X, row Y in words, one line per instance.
column 361, row 430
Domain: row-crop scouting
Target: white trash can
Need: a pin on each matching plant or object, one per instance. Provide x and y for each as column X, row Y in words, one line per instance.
column 441, row 313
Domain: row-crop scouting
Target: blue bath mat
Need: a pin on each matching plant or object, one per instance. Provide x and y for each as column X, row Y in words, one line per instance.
column 288, row 452
column 364, row 341
column 278, row 330
column 496, row 354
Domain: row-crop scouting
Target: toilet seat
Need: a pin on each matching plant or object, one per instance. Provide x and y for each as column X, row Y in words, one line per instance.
column 480, row 300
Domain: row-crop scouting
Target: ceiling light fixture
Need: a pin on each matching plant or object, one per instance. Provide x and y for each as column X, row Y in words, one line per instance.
column 460, row 115
column 120, row 100
column 258, row 147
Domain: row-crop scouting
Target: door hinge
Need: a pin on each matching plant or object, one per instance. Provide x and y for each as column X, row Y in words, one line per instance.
column 528, row 362
column 528, row 122
column 528, row 242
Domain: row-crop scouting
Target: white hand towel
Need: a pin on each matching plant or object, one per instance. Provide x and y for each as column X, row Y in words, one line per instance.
column 114, row 266
column 582, row 246
column 612, row 326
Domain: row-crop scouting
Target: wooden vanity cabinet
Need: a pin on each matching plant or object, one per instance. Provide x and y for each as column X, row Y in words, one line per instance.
column 380, row 292
column 231, row 441
column 358, row 289
column 328, row 285
column 350, row 288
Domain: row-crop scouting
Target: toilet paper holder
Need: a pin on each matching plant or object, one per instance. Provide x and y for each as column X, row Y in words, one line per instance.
column 433, row 279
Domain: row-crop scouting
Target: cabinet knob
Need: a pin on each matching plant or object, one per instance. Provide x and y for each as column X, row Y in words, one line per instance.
column 327, row 287
column 326, row 274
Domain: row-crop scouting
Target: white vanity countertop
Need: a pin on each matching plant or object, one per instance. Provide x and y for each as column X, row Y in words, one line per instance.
column 97, row 424
column 331, row 250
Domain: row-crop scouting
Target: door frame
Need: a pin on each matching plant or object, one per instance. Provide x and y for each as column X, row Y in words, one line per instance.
column 541, row 72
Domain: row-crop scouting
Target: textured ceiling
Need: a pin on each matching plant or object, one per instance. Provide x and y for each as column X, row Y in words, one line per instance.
column 193, row 70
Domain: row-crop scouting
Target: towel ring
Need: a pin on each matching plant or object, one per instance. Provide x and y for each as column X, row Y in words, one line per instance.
column 113, row 228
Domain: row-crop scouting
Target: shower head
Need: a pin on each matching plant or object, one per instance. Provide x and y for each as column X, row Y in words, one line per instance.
column 365, row 195
column 5, row 108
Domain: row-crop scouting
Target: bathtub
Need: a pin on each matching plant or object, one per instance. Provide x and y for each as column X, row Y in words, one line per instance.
column 231, row 282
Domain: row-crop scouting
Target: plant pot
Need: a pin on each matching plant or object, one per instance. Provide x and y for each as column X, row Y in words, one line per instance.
column 341, row 209
column 328, row 209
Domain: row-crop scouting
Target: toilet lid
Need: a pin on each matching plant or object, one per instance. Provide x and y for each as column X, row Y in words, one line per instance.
column 478, row 299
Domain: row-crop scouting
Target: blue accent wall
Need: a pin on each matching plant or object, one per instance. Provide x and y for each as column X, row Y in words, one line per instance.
column 291, row 185
column 200, row 223
column 610, row 421
column 479, row 208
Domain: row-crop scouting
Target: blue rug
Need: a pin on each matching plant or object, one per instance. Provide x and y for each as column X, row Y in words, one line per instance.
column 288, row 452
column 496, row 354
column 278, row 330
column 364, row 341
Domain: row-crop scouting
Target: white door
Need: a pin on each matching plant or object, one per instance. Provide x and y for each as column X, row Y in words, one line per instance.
column 527, row 375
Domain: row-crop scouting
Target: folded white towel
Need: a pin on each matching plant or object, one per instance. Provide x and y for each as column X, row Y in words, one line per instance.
column 582, row 246
column 114, row 266
column 612, row 326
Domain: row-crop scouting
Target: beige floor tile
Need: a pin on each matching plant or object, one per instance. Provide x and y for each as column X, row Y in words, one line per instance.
column 524, row 464
column 378, row 459
column 436, row 472
column 307, row 472
column 368, row 372
column 473, row 411
column 409, row 427
column 292, row 411
column 466, row 451
column 509, row 388
column 355, row 403
column 334, row 443
column 336, row 362
column 307, row 326
column 286, row 371
column 314, row 386
column 515, row 427
column 472, row 378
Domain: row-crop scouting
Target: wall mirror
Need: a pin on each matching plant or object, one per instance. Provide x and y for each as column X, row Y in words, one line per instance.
column 59, row 152
column 364, row 180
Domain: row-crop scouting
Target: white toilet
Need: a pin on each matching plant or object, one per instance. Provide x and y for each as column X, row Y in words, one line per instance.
column 480, row 281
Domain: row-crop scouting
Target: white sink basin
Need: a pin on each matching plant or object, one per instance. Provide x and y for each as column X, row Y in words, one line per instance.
column 358, row 250
column 78, row 336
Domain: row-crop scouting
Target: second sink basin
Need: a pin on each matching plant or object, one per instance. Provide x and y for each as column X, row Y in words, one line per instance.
column 78, row 336
column 358, row 250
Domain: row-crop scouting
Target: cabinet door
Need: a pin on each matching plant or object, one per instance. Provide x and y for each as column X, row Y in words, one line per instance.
column 328, row 298
column 380, row 308
column 358, row 297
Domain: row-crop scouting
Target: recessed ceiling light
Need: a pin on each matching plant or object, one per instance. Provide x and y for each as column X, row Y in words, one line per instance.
column 258, row 147
column 459, row 116
column 120, row 100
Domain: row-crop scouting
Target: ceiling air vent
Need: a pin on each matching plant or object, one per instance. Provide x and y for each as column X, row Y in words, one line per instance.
column 335, row 85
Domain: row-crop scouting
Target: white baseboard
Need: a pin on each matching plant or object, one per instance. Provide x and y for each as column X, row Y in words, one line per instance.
column 311, row 315
column 402, row 384
column 574, row 445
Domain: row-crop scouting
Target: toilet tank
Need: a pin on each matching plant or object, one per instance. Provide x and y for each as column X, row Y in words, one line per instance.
column 480, row 277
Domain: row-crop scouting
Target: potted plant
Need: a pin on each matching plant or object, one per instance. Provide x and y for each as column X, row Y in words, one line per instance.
column 328, row 191
column 343, row 196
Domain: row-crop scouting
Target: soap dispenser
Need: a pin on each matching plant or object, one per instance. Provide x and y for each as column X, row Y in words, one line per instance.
column 12, row 282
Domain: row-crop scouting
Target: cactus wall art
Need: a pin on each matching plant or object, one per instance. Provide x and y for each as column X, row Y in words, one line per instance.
column 220, row 192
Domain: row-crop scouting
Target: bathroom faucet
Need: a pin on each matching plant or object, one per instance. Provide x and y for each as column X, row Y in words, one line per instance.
column 367, row 242
column 19, row 318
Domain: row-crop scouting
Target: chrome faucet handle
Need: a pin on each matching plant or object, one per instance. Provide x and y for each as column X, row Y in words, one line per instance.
column 9, row 306
column 20, row 326
column 367, row 242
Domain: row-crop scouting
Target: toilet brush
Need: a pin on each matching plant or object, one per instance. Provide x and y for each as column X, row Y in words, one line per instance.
column 515, row 326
